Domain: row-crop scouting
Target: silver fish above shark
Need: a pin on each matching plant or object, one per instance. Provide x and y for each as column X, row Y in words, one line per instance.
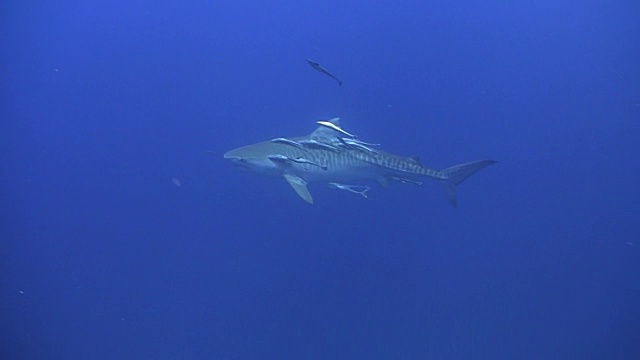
column 335, row 157
column 321, row 68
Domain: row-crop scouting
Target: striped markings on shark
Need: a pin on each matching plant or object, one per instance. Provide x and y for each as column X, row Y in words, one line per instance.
column 336, row 157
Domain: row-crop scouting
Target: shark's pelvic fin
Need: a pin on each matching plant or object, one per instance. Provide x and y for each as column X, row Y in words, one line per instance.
column 383, row 181
column 459, row 173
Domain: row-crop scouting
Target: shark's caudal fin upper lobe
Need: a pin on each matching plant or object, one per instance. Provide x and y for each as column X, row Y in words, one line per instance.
column 459, row 173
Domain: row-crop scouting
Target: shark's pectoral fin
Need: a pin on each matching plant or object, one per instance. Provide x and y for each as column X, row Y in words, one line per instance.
column 300, row 187
column 383, row 181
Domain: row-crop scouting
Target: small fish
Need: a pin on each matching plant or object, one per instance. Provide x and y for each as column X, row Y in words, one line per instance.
column 287, row 142
column 320, row 68
column 313, row 144
column 297, row 160
column 362, row 142
column 335, row 127
column 300, row 160
column 356, row 189
column 350, row 143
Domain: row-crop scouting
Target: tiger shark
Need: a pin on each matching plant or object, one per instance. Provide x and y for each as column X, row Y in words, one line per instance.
column 338, row 158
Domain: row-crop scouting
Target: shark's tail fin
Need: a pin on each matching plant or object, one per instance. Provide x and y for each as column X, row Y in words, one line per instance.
column 458, row 173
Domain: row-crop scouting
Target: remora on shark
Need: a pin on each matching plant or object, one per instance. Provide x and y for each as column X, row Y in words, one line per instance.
column 333, row 156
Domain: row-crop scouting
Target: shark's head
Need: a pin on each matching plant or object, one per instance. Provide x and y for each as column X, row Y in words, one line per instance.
column 254, row 159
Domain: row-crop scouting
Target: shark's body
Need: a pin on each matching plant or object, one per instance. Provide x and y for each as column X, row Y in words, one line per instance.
column 321, row 68
column 328, row 156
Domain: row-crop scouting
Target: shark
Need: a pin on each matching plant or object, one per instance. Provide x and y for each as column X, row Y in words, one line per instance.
column 321, row 68
column 333, row 156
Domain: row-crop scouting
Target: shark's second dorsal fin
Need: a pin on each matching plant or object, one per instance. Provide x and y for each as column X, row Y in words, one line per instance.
column 416, row 159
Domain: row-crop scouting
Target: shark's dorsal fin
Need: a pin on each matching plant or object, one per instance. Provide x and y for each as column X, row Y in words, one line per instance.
column 327, row 129
column 330, row 131
column 324, row 131
column 333, row 125
column 416, row 158
column 300, row 187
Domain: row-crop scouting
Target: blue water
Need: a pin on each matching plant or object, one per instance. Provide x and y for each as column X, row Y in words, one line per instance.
column 126, row 235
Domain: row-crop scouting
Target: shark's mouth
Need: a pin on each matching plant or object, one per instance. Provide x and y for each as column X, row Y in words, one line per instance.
column 240, row 163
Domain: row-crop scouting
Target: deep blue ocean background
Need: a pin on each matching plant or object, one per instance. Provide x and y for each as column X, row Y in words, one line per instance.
column 126, row 235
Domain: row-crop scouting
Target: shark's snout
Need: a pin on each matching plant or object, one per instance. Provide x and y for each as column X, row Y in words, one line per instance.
column 235, row 159
column 229, row 155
